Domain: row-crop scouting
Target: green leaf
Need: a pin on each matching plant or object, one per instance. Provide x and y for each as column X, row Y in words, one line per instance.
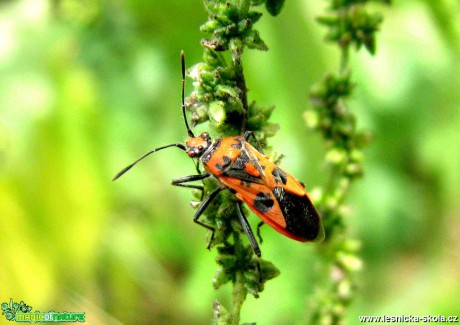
column 254, row 16
column 253, row 41
column 217, row 114
column 243, row 8
column 274, row 6
column 221, row 315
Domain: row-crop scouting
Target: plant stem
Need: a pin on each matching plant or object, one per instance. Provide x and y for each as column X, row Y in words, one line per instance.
column 350, row 24
column 239, row 290
column 344, row 58
column 220, row 98
column 237, row 52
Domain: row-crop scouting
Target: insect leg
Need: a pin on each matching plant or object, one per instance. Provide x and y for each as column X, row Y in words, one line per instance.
column 202, row 208
column 180, row 182
column 248, row 231
column 186, row 179
column 248, row 134
column 260, row 224
column 197, row 166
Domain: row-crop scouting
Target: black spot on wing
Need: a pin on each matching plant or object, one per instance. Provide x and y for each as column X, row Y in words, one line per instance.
column 227, row 162
column 279, row 175
column 238, row 144
column 236, row 169
column 263, row 202
column 243, row 176
column 241, row 161
column 301, row 217
column 208, row 154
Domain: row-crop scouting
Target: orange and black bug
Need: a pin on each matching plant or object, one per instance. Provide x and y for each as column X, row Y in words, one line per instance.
column 274, row 195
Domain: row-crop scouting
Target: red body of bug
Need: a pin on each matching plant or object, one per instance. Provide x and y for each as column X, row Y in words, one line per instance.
column 275, row 196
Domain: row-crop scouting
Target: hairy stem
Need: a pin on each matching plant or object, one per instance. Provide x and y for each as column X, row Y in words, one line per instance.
column 344, row 58
column 220, row 98
column 239, row 291
column 237, row 52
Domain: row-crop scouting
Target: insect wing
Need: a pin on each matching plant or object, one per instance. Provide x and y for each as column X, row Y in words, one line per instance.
column 274, row 195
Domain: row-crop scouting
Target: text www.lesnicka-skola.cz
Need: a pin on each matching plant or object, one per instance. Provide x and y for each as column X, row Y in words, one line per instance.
column 408, row 319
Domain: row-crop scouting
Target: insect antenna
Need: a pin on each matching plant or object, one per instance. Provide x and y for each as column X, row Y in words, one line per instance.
column 124, row 170
column 178, row 145
column 189, row 131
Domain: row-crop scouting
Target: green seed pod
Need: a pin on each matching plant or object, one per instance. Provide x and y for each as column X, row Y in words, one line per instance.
column 220, row 278
column 217, row 113
column 349, row 262
column 269, row 270
column 253, row 41
column 221, row 315
column 199, row 113
column 210, row 26
column 224, row 91
column 311, row 118
column 336, row 156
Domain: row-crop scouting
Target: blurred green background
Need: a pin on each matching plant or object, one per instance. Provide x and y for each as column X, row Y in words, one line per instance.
column 87, row 86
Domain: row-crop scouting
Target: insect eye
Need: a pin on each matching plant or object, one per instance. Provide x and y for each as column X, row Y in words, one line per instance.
column 191, row 153
column 200, row 148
